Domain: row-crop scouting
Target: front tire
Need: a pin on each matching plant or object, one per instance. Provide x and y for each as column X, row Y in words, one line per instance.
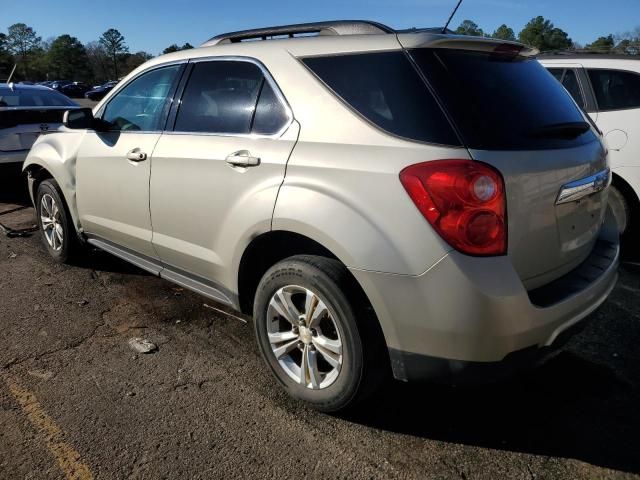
column 56, row 227
column 313, row 332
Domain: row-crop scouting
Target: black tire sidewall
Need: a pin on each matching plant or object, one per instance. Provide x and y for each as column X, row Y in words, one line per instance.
column 295, row 272
column 50, row 187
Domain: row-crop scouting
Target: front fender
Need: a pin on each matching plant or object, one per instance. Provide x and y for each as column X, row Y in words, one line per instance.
column 57, row 153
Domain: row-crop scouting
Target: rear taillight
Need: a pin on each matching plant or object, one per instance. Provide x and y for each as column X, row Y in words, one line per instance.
column 463, row 200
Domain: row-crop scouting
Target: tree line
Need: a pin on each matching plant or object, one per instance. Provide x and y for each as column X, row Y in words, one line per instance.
column 109, row 58
column 546, row 37
column 66, row 58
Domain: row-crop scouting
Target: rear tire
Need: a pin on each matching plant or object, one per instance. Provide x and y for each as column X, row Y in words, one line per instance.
column 56, row 226
column 621, row 209
column 314, row 332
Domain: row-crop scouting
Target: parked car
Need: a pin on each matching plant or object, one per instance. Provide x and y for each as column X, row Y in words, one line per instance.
column 608, row 88
column 98, row 93
column 74, row 89
column 26, row 111
column 423, row 202
column 58, row 84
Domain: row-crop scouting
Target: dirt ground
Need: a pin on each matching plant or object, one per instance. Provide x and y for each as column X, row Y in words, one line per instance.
column 77, row 402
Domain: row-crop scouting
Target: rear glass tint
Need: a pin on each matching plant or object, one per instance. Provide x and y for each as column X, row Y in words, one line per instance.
column 501, row 102
column 615, row 89
column 387, row 90
column 33, row 98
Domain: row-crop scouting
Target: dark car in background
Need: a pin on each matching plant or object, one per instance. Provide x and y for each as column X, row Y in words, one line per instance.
column 74, row 89
column 26, row 111
column 98, row 93
column 58, row 84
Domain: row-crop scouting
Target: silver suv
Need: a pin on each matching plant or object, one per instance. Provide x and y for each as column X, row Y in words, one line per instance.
column 419, row 201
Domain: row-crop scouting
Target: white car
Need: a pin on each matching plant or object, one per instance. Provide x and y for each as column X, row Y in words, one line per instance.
column 608, row 88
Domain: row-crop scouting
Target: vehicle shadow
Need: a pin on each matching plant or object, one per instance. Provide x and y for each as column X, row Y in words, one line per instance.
column 13, row 186
column 98, row 260
column 570, row 407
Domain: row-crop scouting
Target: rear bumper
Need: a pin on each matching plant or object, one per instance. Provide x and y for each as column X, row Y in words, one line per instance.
column 470, row 314
column 13, row 158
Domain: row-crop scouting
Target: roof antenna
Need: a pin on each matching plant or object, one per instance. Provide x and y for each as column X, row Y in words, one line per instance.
column 11, row 75
column 444, row 29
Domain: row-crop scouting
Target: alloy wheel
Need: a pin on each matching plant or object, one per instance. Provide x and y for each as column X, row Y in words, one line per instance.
column 304, row 337
column 50, row 220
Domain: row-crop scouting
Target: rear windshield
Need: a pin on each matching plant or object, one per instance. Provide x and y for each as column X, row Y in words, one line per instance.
column 387, row 90
column 33, row 98
column 502, row 102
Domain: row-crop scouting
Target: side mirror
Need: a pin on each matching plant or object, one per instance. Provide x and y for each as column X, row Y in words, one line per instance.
column 78, row 119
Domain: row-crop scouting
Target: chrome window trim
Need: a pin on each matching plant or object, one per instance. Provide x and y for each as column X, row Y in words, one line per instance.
column 268, row 77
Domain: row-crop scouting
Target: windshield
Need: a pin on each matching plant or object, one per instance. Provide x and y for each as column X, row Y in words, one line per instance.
column 503, row 102
column 33, row 98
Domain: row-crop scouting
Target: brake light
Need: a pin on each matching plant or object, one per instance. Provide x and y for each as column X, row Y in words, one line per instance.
column 463, row 200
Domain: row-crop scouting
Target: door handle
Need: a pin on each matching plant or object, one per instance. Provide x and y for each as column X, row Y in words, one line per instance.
column 243, row 159
column 136, row 155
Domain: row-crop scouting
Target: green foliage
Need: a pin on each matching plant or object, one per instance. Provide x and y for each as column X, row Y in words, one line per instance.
column 602, row 44
column 6, row 59
column 543, row 35
column 175, row 48
column 23, row 43
column 503, row 32
column 469, row 27
column 114, row 44
column 68, row 59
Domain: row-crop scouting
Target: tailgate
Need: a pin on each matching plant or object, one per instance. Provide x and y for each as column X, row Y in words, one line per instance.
column 546, row 238
column 511, row 113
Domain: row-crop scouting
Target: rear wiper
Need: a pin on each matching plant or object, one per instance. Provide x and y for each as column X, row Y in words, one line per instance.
column 560, row 130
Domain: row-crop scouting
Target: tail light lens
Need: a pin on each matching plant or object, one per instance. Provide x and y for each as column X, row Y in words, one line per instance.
column 463, row 200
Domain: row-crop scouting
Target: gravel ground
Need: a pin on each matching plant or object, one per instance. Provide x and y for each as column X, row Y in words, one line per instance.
column 77, row 402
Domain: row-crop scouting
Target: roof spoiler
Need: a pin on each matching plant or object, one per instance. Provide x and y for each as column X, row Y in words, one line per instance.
column 465, row 42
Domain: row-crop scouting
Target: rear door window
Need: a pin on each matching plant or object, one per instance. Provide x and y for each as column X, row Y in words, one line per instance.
column 386, row 90
column 615, row 89
column 220, row 97
column 501, row 101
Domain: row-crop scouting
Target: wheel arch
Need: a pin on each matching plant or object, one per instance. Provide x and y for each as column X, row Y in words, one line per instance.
column 631, row 196
column 271, row 247
column 627, row 190
column 47, row 159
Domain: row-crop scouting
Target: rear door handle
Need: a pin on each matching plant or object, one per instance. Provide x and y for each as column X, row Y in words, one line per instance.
column 243, row 159
column 136, row 155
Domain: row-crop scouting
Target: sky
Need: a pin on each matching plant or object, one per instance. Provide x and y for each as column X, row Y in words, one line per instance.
column 153, row 25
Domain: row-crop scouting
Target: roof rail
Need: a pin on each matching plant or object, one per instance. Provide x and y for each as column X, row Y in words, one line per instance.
column 338, row 27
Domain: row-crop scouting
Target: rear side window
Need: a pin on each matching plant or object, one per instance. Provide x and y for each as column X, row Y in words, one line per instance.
column 570, row 82
column 557, row 73
column 502, row 102
column 220, row 97
column 271, row 115
column 615, row 89
column 386, row 89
